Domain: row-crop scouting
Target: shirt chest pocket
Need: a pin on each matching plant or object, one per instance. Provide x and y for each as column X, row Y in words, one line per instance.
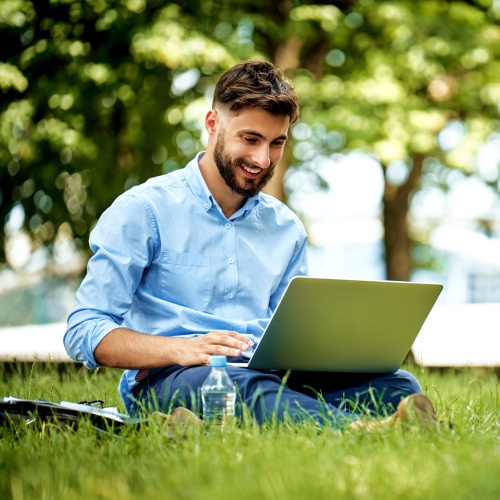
column 185, row 279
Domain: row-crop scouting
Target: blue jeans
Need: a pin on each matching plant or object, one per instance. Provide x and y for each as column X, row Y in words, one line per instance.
column 331, row 398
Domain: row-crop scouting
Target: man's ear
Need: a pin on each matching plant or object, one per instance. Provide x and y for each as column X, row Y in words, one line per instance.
column 211, row 121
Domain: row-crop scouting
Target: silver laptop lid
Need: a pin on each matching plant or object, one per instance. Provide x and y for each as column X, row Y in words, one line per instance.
column 344, row 325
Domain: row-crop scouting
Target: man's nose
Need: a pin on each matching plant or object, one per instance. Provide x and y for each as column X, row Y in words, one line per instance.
column 261, row 157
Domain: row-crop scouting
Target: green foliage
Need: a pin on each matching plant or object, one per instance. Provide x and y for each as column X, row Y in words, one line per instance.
column 278, row 461
column 92, row 106
column 396, row 73
column 98, row 96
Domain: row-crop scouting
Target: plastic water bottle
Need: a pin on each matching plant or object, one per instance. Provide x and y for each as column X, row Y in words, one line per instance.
column 218, row 394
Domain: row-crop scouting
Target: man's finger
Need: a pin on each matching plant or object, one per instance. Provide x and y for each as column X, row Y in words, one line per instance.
column 242, row 342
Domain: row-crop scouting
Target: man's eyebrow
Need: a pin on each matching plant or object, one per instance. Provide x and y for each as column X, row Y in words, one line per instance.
column 283, row 137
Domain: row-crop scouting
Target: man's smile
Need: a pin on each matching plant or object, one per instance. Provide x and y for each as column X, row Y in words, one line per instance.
column 251, row 170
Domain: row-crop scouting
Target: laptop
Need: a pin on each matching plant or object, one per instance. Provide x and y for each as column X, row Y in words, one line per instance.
column 340, row 325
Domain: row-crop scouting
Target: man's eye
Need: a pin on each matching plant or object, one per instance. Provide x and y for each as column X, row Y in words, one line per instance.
column 251, row 140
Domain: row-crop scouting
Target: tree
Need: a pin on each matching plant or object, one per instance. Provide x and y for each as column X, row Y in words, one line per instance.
column 391, row 77
column 397, row 75
column 97, row 96
column 85, row 113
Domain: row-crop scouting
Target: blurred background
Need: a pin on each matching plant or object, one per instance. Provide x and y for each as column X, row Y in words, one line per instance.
column 394, row 166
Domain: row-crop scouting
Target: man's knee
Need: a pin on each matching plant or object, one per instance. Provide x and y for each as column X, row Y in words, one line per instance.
column 407, row 382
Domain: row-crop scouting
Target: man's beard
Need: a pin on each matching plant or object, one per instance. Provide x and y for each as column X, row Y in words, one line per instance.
column 227, row 169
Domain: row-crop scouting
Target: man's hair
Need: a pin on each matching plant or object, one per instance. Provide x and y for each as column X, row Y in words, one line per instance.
column 257, row 84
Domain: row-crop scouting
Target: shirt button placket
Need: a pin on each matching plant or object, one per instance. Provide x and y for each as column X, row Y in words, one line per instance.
column 231, row 269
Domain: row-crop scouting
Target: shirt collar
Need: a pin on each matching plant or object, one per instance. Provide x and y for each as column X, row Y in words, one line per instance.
column 197, row 184
column 204, row 196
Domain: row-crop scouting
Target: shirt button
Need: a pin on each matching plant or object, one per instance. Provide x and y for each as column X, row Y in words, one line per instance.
column 228, row 226
column 206, row 205
column 230, row 260
column 230, row 295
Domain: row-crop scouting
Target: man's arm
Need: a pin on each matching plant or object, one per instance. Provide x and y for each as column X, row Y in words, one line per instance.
column 297, row 266
column 94, row 335
column 123, row 348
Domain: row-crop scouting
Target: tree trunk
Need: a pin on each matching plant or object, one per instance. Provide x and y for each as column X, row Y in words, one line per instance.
column 276, row 186
column 287, row 55
column 397, row 241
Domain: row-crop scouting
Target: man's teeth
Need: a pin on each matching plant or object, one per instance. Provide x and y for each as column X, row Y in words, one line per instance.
column 254, row 170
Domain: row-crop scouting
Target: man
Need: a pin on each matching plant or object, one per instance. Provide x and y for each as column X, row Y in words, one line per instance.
column 193, row 263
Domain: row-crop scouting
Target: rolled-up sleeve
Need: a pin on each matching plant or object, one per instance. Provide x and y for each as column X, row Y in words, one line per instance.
column 124, row 243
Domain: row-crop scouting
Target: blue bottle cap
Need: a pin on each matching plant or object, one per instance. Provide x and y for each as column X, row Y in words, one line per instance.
column 218, row 360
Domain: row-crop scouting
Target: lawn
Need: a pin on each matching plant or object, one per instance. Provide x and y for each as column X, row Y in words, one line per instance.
column 274, row 462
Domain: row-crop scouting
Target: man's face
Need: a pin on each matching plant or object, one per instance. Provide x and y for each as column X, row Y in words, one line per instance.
column 248, row 147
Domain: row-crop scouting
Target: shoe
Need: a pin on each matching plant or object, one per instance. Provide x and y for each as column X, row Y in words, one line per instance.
column 181, row 422
column 416, row 409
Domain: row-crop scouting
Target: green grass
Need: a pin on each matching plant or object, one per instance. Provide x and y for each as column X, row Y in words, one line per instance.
column 275, row 462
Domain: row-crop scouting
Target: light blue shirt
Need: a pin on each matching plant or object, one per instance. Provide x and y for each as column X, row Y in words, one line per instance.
column 168, row 262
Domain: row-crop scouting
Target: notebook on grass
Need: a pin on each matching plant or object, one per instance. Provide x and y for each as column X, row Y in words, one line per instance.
column 339, row 325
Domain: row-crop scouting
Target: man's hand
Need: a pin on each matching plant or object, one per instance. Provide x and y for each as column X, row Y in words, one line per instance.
column 197, row 350
column 123, row 348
